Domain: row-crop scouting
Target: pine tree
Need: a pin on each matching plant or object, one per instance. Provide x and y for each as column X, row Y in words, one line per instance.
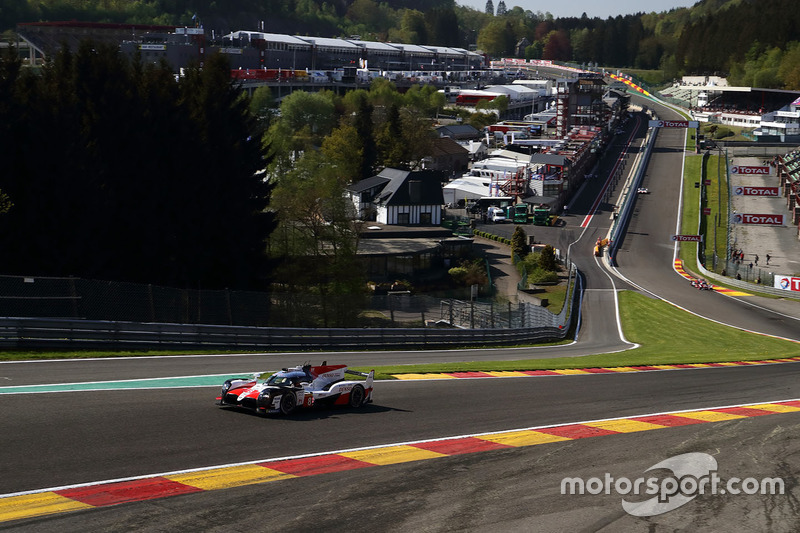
column 489, row 7
column 501, row 8
column 145, row 179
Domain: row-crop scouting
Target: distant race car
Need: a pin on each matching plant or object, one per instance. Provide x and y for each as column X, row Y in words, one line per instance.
column 642, row 190
column 300, row 386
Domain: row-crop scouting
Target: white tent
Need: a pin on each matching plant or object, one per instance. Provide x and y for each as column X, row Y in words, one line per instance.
column 466, row 187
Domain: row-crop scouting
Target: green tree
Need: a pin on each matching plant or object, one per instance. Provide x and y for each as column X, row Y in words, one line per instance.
column 309, row 115
column 500, row 103
column 362, row 120
column 305, row 120
column 417, row 138
column 789, row 69
column 519, row 242
column 413, row 29
column 147, row 179
column 547, row 259
column 389, row 139
column 262, row 103
column 470, row 272
column 534, row 51
column 318, row 239
column 344, row 152
column 443, row 27
column 497, row 37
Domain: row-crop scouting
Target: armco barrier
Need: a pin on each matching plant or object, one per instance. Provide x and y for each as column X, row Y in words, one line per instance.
column 472, row 325
column 43, row 333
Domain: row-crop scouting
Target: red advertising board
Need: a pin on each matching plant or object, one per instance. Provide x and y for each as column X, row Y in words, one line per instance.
column 687, row 238
column 787, row 283
column 706, row 210
column 750, row 170
column 757, row 191
column 761, row 219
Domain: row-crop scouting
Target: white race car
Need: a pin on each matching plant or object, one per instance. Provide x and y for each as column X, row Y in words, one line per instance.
column 301, row 386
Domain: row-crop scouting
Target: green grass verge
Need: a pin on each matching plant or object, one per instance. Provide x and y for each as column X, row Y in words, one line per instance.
column 715, row 225
column 691, row 208
column 701, row 341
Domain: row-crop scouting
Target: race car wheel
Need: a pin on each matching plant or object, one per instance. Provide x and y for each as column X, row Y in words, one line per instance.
column 288, row 403
column 357, row 396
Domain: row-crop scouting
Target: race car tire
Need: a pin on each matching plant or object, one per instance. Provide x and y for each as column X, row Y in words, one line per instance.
column 288, row 403
column 357, row 396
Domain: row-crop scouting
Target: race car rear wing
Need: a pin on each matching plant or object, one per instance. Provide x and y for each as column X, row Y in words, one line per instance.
column 370, row 377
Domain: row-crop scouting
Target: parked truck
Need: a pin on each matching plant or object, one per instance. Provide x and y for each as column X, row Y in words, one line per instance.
column 541, row 215
column 518, row 213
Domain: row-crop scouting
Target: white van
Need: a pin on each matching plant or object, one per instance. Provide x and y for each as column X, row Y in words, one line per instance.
column 496, row 214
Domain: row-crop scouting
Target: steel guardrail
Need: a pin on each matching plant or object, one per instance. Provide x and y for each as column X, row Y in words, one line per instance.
column 44, row 333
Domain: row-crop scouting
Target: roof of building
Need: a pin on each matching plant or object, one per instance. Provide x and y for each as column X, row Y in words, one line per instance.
column 550, row 159
column 398, row 190
column 374, row 45
column 536, row 200
column 447, row 146
column 367, row 184
column 414, row 49
column 271, row 37
column 326, row 42
column 458, row 130
column 444, row 50
column 508, row 154
column 474, row 146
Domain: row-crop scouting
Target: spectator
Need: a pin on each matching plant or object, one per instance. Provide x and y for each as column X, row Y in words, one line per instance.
column 767, row 258
column 756, row 260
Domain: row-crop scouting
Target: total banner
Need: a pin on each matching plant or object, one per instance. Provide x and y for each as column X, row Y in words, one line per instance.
column 761, row 219
column 763, row 170
column 787, row 283
column 757, row 191
column 673, row 124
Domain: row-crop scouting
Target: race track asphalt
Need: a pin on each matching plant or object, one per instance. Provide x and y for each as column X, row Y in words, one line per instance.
column 67, row 438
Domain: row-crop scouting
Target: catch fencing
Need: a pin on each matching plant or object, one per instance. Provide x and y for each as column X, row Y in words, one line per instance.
column 71, row 313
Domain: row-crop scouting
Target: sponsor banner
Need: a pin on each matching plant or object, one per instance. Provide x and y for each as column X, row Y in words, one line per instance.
column 757, row 191
column 761, row 219
column 787, row 283
column 673, row 124
column 687, row 238
column 236, row 51
column 741, row 169
column 161, row 47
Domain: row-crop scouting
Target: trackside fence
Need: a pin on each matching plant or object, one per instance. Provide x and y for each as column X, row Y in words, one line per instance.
column 415, row 322
column 41, row 333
